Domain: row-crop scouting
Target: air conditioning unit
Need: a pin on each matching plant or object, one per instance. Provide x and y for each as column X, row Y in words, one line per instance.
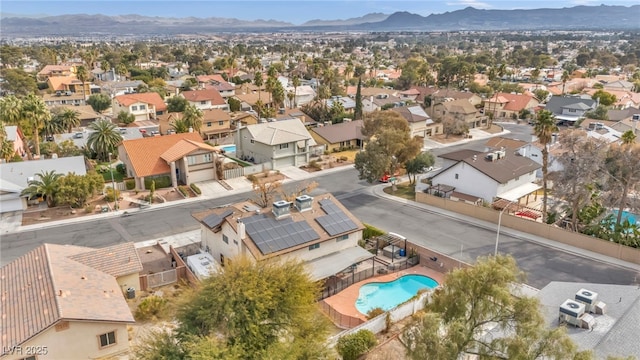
column 491, row 156
column 573, row 312
column 590, row 300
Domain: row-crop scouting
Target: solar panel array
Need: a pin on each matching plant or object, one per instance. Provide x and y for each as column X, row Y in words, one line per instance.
column 336, row 221
column 271, row 235
column 214, row 220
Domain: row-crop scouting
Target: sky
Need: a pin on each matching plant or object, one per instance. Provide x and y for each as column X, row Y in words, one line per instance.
column 296, row 12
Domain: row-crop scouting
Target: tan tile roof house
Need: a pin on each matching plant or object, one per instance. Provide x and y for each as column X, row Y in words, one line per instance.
column 69, row 300
column 153, row 156
column 345, row 134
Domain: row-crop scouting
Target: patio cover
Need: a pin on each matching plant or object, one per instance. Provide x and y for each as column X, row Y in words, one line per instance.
column 333, row 263
column 516, row 193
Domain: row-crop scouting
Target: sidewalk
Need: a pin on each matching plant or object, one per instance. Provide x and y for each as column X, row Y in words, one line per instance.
column 379, row 192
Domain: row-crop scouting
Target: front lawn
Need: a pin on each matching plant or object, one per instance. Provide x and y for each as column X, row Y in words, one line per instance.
column 403, row 190
column 116, row 176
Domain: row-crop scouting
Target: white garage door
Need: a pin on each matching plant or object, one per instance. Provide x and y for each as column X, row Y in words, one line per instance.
column 201, row 175
column 288, row 161
column 11, row 205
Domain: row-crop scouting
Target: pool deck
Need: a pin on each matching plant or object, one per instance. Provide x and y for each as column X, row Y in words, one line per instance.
column 345, row 301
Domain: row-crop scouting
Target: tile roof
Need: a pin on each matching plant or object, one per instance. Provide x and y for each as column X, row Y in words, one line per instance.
column 48, row 69
column 514, row 102
column 279, row 132
column 213, row 77
column 413, row 114
column 149, row 98
column 57, row 82
column 460, row 106
column 45, row 286
column 203, row 95
column 183, row 148
column 117, row 260
column 144, row 154
column 341, row 132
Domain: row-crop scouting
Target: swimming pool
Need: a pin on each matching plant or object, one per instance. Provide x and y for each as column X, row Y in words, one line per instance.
column 229, row 148
column 390, row 294
column 633, row 218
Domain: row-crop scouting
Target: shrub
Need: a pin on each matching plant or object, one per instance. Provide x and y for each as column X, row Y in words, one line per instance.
column 374, row 312
column 88, row 209
column 120, row 168
column 151, row 308
column 130, row 184
column 326, row 152
column 184, row 190
column 196, row 189
column 161, row 182
column 315, row 165
column 351, row 346
column 370, row 231
column 111, row 195
column 344, row 158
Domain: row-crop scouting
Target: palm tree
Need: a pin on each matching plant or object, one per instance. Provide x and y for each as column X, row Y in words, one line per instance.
column 544, row 127
column 82, row 74
column 565, row 77
column 193, row 117
column 52, row 127
column 11, row 113
column 46, row 186
column 104, row 139
column 68, row 119
column 35, row 112
column 628, row 137
column 295, row 82
column 257, row 80
column 180, row 126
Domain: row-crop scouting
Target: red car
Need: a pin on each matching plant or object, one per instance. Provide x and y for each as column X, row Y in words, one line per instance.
column 386, row 177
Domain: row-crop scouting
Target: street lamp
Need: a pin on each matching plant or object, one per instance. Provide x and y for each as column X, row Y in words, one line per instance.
column 495, row 252
column 113, row 185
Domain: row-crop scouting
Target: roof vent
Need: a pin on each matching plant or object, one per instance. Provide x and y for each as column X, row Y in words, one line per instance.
column 303, row 203
column 280, row 209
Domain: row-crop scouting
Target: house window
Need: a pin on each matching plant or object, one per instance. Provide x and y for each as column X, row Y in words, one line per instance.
column 235, row 242
column 314, row 246
column 143, row 107
column 572, row 110
column 209, row 124
column 134, row 108
column 284, row 146
column 342, row 238
column 191, row 160
column 221, row 122
column 204, row 102
column 252, row 141
column 456, row 176
column 207, row 157
column 107, row 339
column 225, row 239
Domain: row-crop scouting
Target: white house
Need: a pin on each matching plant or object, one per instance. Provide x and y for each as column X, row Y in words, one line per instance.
column 304, row 94
column 489, row 175
column 205, row 99
column 144, row 106
column 281, row 143
column 316, row 230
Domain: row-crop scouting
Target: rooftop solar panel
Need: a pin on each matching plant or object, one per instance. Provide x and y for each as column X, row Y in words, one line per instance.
column 336, row 221
column 271, row 235
column 215, row 220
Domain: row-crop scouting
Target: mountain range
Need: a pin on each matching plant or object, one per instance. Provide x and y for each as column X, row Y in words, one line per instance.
column 572, row 18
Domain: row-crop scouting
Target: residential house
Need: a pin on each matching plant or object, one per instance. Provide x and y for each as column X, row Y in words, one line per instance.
column 205, row 99
column 55, row 70
column 217, row 82
column 348, row 104
column 380, row 102
column 15, row 177
column 182, row 157
column 488, row 176
column 242, row 118
column 409, row 95
column 319, row 231
column 420, row 124
column 67, row 302
column 64, row 98
column 116, row 88
column 144, row 106
column 619, row 85
column 281, row 143
column 366, row 92
column 68, row 84
column 304, row 94
column 347, row 134
column 443, row 95
column 86, row 114
column 460, row 109
column 509, row 106
column 424, row 91
column 569, row 109
column 216, row 123
column 101, row 75
column 14, row 134
column 624, row 98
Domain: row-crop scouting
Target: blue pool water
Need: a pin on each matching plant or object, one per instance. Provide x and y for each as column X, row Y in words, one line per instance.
column 633, row 218
column 229, row 148
column 391, row 294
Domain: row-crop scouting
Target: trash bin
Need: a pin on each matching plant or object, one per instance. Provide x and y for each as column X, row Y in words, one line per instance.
column 131, row 293
column 402, row 252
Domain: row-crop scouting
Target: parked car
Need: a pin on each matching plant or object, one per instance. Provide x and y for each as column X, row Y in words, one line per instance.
column 387, row 177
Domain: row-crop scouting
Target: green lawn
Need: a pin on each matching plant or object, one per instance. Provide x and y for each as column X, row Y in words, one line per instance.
column 116, row 176
column 404, row 191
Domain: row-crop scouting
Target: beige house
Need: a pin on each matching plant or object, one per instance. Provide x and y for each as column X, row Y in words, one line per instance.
column 507, row 106
column 420, row 124
column 459, row 109
column 334, row 137
column 144, row 106
column 216, row 123
column 319, row 231
column 67, row 302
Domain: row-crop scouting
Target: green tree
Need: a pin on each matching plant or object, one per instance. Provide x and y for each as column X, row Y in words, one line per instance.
column 74, row 190
column 275, row 309
column 604, row 98
column 177, row 104
column 104, row 139
column 543, row 128
column 36, row 114
column 193, row 116
column 258, row 81
column 460, row 310
column 600, row 113
column 158, row 345
column 83, row 75
column 357, row 112
column 389, row 145
column 295, row 82
column 541, row 94
column 180, row 125
column 99, row 102
column 46, row 186
column 18, row 82
column 418, row 165
column 351, row 346
column 125, row 117
column 68, row 119
column 622, row 165
column 234, row 104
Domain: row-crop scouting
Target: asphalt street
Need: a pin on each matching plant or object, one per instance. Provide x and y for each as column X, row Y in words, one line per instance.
column 445, row 234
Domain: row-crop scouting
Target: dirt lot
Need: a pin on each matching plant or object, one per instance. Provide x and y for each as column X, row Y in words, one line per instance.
column 40, row 213
column 330, row 161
